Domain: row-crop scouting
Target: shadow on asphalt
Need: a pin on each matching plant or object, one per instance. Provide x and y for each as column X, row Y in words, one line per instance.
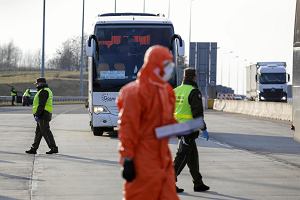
column 18, row 177
column 111, row 134
column 258, row 143
column 7, row 198
column 218, row 196
column 80, row 159
column 4, row 161
column 13, row 153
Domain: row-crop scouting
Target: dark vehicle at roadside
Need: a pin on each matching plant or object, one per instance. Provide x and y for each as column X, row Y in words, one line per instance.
column 29, row 101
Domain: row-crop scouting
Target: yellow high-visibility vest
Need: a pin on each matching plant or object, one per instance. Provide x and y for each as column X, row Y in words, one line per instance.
column 183, row 110
column 49, row 102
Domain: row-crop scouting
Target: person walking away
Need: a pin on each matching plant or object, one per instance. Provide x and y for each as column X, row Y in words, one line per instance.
column 26, row 97
column 144, row 105
column 189, row 106
column 13, row 94
column 42, row 112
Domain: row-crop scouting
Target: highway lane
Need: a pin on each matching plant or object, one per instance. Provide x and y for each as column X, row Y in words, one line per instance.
column 271, row 138
column 247, row 158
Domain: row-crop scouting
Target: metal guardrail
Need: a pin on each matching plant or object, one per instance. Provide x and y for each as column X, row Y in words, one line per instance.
column 56, row 99
column 69, row 99
column 5, row 100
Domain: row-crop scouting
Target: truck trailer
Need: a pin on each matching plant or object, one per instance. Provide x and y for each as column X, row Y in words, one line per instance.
column 267, row 81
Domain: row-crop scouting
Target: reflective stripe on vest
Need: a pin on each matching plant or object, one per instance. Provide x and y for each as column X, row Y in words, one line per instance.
column 13, row 93
column 26, row 93
column 183, row 110
column 48, row 106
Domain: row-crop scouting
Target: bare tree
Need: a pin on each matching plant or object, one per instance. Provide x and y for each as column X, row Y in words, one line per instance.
column 37, row 60
column 10, row 56
column 68, row 56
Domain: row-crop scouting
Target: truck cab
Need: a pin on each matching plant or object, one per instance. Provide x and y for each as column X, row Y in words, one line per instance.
column 272, row 79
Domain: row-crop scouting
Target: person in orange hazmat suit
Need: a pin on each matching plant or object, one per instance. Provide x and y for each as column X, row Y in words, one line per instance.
column 144, row 105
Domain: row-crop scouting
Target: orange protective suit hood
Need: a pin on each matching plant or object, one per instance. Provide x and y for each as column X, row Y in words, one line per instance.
column 153, row 66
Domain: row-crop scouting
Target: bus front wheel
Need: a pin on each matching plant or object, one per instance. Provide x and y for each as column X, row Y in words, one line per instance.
column 98, row 131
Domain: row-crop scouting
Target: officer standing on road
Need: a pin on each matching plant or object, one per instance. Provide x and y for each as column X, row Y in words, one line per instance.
column 42, row 112
column 13, row 94
column 26, row 97
column 144, row 105
column 189, row 106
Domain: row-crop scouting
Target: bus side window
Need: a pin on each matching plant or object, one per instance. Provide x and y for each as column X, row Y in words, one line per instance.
column 103, row 67
column 119, row 66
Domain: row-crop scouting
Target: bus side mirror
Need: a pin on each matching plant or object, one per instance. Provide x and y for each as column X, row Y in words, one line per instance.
column 176, row 39
column 256, row 77
column 181, row 49
column 91, row 46
column 289, row 77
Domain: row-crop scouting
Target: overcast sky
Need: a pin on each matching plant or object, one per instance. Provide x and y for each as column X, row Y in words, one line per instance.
column 255, row 30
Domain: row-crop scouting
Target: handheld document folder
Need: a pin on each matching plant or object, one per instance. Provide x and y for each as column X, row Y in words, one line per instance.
column 180, row 128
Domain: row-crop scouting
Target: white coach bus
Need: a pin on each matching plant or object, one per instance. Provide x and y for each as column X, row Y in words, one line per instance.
column 116, row 53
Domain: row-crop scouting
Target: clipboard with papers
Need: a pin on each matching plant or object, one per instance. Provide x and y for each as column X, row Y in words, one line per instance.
column 180, row 128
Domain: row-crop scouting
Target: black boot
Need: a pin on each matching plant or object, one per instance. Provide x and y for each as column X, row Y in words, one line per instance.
column 53, row 150
column 179, row 190
column 31, row 151
column 201, row 188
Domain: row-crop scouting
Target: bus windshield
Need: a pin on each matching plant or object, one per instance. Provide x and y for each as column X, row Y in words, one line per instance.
column 121, row 52
column 272, row 78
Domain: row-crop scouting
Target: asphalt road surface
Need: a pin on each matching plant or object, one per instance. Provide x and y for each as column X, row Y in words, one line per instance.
column 246, row 158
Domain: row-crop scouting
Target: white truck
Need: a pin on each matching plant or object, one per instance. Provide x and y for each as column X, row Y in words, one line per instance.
column 267, row 81
column 116, row 53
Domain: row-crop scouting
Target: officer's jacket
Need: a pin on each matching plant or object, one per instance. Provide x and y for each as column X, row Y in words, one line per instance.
column 43, row 97
column 195, row 101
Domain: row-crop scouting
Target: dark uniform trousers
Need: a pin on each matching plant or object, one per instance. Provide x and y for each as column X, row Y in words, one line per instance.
column 43, row 130
column 187, row 154
column 13, row 99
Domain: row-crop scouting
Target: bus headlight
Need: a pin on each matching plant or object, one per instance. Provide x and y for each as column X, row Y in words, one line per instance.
column 100, row 109
column 283, row 98
column 262, row 98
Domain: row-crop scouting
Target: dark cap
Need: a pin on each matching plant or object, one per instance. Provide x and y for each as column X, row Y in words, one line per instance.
column 189, row 73
column 40, row 80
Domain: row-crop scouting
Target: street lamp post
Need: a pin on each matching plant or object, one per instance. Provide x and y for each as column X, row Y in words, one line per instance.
column 144, row 8
column 237, row 74
column 229, row 62
column 221, row 74
column 81, row 57
column 190, row 28
column 43, row 43
column 220, row 64
column 115, row 6
column 207, row 75
column 244, row 75
column 169, row 10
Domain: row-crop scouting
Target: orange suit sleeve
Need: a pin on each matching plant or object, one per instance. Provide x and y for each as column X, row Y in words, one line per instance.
column 129, row 121
column 172, row 100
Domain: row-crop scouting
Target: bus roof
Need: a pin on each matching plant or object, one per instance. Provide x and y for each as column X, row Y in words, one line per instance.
column 132, row 18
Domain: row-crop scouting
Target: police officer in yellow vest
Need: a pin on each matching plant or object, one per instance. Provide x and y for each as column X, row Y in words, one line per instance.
column 42, row 112
column 13, row 94
column 189, row 106
column 26, row 97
